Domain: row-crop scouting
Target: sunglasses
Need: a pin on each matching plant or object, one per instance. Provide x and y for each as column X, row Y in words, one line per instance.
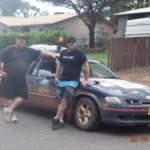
column 71, row 42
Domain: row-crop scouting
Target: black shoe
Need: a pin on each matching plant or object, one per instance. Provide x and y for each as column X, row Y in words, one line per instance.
column 56, row 124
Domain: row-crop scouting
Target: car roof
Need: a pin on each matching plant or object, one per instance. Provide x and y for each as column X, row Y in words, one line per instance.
column 46, row 47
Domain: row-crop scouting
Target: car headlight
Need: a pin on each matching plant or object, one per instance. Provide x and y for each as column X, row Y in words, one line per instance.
column 148, row 97
column 112, row 100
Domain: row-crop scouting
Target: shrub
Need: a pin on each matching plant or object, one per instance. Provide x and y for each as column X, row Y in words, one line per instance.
column 7, row 39
column 34, row 37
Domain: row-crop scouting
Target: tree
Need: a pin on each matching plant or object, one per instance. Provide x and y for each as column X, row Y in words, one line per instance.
column 90, row 11
column 140, row 4
column 28, row 11
column 17, row 8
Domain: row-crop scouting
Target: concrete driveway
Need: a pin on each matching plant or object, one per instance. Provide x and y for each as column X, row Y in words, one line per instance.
column 33, row 132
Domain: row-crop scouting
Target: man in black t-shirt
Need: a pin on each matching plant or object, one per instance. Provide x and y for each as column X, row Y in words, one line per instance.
column 67, row 77
column 13, row 87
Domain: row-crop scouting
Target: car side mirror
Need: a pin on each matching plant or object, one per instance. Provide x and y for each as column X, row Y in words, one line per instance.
column 46, row 74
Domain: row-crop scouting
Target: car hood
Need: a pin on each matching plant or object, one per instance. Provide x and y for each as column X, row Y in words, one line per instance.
column 122, row 88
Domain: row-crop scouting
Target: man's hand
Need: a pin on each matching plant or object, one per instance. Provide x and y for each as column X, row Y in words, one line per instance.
column 55, row 55
column 84, row 83
column 3, row 74
column 56, row 80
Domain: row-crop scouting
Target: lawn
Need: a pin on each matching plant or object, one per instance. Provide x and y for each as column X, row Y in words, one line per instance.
column 98, row 56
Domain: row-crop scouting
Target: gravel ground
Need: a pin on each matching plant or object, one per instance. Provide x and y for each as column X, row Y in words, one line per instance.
column 139, row 75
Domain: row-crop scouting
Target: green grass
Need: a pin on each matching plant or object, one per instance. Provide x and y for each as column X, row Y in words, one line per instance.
column 98, row 56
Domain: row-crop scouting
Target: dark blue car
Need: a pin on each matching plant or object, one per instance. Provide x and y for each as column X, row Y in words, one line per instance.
column 107, row 99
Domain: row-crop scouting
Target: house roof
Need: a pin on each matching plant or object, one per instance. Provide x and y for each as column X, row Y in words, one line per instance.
column 20, row 21
column 135, row 11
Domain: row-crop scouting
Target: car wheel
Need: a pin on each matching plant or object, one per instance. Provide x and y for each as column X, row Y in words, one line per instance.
column 86, row 115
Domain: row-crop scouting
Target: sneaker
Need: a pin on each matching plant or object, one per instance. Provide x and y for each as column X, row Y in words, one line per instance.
column 14, row 118
column 56, row 124
column 7, row 114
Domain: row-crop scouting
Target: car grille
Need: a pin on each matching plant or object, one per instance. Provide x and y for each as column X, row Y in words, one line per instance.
column 145, row 102
column 137, row 102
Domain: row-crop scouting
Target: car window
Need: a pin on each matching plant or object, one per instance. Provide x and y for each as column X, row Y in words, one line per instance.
column 48, row 64
column 32, row 70
column 44, row 67
column 98, row 70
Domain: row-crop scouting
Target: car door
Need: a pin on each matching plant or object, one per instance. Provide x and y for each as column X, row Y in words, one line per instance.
column 41, row 83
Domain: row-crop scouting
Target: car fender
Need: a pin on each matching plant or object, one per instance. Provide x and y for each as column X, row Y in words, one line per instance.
column 75, row 100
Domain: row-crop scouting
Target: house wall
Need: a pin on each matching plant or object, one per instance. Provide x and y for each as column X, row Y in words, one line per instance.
column 4, row 28
column 121, row 26
column 39, row 27
column 103, row 29
column 73, row 26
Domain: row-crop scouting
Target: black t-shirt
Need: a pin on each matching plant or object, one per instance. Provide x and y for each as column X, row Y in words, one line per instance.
column 72, row 64
column 16, row 61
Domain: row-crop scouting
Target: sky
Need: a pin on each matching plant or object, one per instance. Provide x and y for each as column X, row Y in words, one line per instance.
column 47, row 7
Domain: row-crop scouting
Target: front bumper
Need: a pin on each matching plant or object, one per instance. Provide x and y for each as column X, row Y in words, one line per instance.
column 125, row 116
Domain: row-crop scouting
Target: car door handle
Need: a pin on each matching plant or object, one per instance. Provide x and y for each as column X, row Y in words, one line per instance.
column 38, row 79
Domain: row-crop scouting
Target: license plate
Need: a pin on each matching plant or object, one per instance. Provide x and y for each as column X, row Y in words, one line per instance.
column 148, row 111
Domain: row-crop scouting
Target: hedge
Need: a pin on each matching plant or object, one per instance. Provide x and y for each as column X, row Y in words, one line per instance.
column 34, row 37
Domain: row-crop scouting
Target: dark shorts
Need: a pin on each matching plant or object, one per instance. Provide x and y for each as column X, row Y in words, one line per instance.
column 65, row 93
column 11, row 88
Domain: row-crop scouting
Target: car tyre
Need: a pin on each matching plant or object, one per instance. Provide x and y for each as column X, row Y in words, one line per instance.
column 86, row 115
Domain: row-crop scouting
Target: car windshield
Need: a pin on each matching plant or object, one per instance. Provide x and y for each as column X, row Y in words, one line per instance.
column 99, row 70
